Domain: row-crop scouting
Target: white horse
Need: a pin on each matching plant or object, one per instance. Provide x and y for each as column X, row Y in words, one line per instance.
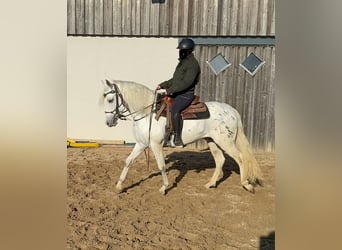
column 223, row 131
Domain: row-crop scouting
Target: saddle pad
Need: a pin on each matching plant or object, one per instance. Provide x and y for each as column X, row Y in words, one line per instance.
column 195, row 108
column 196, row 111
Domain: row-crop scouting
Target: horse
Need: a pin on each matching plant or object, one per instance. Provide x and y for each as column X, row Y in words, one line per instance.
column 223, row 132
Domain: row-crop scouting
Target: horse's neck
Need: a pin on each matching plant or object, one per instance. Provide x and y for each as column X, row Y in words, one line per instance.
column 137, row 97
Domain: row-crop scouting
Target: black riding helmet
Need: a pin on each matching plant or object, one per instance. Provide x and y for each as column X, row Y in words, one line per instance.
column 186, row 46
column 186, row 43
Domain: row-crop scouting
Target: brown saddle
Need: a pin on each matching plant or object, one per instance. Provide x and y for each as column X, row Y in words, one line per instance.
column 196, row 110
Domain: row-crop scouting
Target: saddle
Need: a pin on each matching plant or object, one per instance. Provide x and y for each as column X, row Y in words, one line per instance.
column 196, row 110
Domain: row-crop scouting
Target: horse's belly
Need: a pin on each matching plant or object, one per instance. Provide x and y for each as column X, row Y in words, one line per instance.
column 197, row 127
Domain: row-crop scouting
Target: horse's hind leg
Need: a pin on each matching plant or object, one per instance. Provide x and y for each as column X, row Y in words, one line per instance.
column 137, row 150
column 230, row 148
column 219, row 161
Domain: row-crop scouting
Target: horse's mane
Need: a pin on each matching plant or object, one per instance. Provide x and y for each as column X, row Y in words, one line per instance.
column 138, row 96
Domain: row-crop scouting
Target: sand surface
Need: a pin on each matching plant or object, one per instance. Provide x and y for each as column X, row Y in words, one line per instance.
column 189, row 216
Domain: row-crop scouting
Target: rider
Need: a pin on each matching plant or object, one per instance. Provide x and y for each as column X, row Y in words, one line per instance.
column 181, row 86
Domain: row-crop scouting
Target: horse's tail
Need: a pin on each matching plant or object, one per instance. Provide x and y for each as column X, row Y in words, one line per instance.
column 251, row 167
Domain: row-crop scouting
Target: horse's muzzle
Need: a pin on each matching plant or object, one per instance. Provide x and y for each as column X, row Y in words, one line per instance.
column 111, row 123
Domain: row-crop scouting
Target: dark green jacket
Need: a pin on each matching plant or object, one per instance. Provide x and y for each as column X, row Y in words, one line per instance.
column 184, row 78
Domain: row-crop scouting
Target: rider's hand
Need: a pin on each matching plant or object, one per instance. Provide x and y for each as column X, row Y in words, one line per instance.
column 158, row 87
column 161, row 91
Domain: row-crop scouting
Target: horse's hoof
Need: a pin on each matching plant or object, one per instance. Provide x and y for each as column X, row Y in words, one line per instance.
column 209, row 185
column 118, row 188
column 249, row 188
column 162, row 190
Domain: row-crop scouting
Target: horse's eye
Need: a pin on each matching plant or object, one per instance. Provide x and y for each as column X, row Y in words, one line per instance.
column 110, row 100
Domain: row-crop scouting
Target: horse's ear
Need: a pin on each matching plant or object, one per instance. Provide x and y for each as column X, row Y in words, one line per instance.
column 109, row 84
column 106, row 84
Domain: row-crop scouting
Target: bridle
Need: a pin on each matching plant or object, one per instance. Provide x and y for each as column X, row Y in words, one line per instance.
column 120, row 102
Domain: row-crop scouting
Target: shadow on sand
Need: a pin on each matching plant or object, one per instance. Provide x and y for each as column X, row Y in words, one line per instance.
column 199, row 161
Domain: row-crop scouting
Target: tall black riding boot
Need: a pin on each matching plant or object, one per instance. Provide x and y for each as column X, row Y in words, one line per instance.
column 178, row 126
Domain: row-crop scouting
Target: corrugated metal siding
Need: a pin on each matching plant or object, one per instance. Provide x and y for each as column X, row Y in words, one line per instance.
column 252, row 96
column 172, row 18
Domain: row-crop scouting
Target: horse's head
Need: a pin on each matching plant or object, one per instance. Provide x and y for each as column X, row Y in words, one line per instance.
column 113, row 104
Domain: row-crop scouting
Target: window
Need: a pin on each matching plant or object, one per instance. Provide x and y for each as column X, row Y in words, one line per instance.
column 218, row 64
column 158, row 1
column 252, row 64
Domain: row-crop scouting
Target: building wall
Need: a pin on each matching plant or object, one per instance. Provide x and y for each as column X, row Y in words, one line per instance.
column 91, row 59
column 252, row 96
column 172, row 18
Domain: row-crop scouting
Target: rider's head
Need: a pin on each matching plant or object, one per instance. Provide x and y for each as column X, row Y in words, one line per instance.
column 186, row 46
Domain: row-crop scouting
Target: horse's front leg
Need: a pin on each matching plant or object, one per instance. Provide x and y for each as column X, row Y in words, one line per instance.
column 138, row 148
column 157, row 149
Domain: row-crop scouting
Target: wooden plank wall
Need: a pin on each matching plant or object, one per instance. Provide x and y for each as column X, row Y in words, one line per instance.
column 252, row 96
column 172, row 18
